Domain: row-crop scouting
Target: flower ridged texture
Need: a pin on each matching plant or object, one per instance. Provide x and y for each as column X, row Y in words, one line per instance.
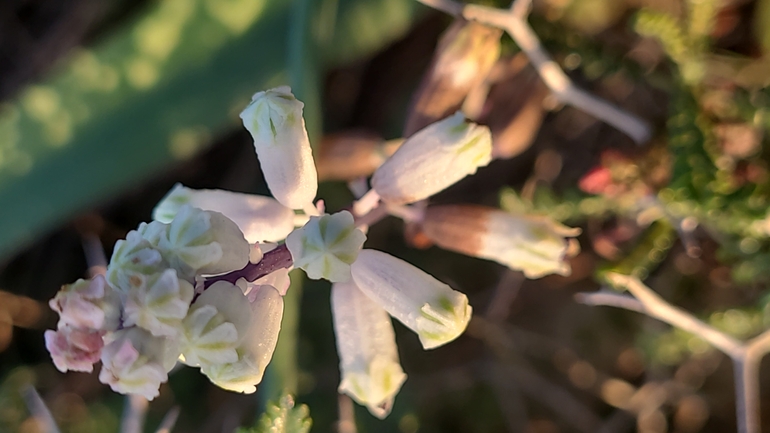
column 274, row 119
column 369, row 366
column 257, row 320
column 425, row 305
column 159, row 304
column 326, row 246
column 132, row 260
column 433, row 159
column 260, row 218
column 88, row 304
column 534, row 244
column 74, row 349
column 135, row 362
column 203, row 242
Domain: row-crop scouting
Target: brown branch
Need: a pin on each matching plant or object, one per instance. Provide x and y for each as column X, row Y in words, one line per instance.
column 514, row 22
column 746, row 356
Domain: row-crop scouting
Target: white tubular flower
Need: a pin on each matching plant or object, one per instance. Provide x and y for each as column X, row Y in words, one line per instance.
column 74, row 349
column 274, row 119
column 260, row 218
column 256, row 343
column 326, row 246
column 433, row 159
column 366, row 343
column 425, row 305
column 160, row 304
column 211, row 329
column 132, row 260
column 135, row 362
column 203, row 242
column 535, row 245
column 88, row 305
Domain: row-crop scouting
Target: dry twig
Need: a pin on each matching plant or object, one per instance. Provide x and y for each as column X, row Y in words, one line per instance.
column 514, row 22
column 746, row 356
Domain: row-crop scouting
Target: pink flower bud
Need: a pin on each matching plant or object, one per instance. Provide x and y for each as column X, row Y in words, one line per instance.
column 135, row 362
column 88, row 304
column 74, row 349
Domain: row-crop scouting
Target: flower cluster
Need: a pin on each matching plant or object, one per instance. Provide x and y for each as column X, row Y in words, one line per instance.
column 148, row 311
column 176, row 288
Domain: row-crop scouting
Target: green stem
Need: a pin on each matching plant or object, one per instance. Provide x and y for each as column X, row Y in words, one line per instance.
column 281, row 375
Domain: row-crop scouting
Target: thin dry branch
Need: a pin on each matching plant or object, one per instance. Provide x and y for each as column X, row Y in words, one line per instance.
column 746, row 356
column 514, row 22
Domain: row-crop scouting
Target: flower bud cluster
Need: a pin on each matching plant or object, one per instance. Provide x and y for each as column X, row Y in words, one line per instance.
column 173, row 289
column 142, row 316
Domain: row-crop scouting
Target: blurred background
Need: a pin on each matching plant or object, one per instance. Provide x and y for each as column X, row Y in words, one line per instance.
column 105, row 105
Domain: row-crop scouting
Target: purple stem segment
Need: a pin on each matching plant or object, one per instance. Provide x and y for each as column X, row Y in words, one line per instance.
column 273, row 260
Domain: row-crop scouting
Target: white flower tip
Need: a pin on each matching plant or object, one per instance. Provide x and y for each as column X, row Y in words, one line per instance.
column 377, row 388
column 443, row 321
column 169, row 205
column 269, row 112
column 242, row 376
column 274, row 119
column 326, row 246
column 537, row 245
column 203, row 242
column 136, row 363
column 160, row 304
column 433, row 159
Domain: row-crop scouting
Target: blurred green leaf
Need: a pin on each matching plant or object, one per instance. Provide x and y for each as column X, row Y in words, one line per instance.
column 761, row 28
column 155, row 93
column 648, row 253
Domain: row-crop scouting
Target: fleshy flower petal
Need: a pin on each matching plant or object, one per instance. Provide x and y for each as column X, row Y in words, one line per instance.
column 274, row 119
column 326, row 246
column 534, row 244
column 370, row 370
column 135, row 362
column 433, row 159
column 74, row 349
column 203, row 242
column 425, row 305
column 160, row 304
column 260, row 218
column 88, row 304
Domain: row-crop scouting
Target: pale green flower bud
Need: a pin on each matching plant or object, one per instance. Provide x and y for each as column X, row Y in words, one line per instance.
column 260, row 218
column 433, row 159
column 211, row 329
column 256, row 343
column 274, row 119
column 135, row 362
column 425, row 305
column 160, row 304
column 370, row 370
column 203, row 242
column 534, row 244
column 326, row 246
column 153, row 231
column 132, row 260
